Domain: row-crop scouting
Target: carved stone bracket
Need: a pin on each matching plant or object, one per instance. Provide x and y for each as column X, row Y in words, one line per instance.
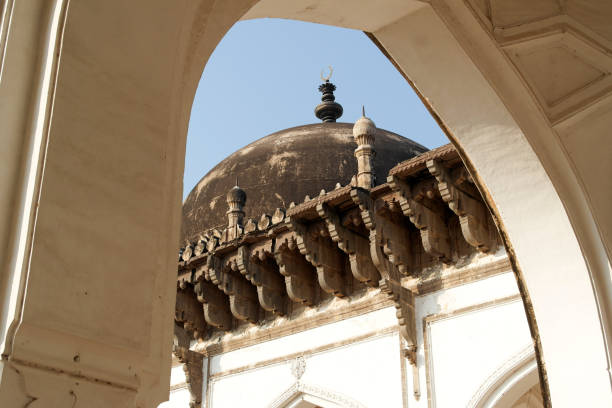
column 389, row 241
column 314, row 243
column 353, row 244
column 472, row 213
column 428, row 219
column 192, row 365
column 255, row 265
column 216, row 305
column 387, row 238
column 299, row 278
column 405, row 311
column 242, row 295
column 188, row 312
column 184, row 280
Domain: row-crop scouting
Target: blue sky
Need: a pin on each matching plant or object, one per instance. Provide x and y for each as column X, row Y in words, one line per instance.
column 263, row 77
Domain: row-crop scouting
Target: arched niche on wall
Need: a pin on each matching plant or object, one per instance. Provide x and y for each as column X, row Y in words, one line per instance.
column 513, row 381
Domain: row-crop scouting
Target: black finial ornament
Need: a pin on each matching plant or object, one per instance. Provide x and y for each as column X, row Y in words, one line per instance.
column 328, row 110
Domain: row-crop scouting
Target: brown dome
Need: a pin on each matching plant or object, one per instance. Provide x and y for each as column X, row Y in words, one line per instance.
column 284, row 167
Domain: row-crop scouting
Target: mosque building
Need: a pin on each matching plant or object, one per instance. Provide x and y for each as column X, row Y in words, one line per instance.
column 343, row 265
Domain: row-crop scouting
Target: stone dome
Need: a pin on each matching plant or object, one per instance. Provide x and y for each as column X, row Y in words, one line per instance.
column 284, row 167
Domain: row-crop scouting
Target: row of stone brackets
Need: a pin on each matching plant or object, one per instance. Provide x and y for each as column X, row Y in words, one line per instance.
column 388, row 248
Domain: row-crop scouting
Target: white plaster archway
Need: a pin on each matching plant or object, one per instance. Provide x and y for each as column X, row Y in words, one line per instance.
column 508, row 383
column 89, row 250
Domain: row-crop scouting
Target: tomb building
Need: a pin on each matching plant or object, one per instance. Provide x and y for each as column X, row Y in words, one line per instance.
column 343, row 265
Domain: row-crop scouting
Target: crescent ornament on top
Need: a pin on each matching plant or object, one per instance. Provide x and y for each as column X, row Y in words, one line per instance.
column 327, row 78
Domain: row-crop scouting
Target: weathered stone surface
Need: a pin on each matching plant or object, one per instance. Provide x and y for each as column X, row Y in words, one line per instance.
column 257, row 265
column 314, row 243
column 353, row 244
column 299, row 274
column 189, row 313
column 269, row 168
column 467, row 205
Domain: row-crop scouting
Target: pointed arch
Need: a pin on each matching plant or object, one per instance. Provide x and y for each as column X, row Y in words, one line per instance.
column 509, row 382
column 301, row 395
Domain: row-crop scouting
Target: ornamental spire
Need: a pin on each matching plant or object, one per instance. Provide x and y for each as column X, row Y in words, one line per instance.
column 364, row 133
column 328, row 110
column 236, row 198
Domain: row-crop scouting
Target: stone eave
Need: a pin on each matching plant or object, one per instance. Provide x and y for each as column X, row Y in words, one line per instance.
column 409, row 168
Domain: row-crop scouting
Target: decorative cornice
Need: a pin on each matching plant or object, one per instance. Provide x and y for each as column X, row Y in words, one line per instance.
column 340, row 194
column 461, row 277
column 401, row 229
column 418, row 163
column 180, row 386
column 295, row 326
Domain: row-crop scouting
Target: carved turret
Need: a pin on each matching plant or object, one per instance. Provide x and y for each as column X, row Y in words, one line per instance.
column 364, row 133
column 236, row 199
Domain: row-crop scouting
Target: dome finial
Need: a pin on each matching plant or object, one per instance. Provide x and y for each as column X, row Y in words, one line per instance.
column 363, row 111
column 328, row 110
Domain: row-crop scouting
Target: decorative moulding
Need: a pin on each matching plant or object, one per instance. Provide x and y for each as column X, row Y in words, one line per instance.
column 303, row 391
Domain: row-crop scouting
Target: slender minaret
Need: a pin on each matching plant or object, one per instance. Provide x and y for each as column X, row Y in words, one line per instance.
column 236, row 198
column 364, row 133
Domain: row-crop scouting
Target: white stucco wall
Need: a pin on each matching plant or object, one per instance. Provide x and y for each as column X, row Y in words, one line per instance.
column 339, row 362
column 179, row 392
column 471, row 331
column 478, row 342
column 466, row 335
